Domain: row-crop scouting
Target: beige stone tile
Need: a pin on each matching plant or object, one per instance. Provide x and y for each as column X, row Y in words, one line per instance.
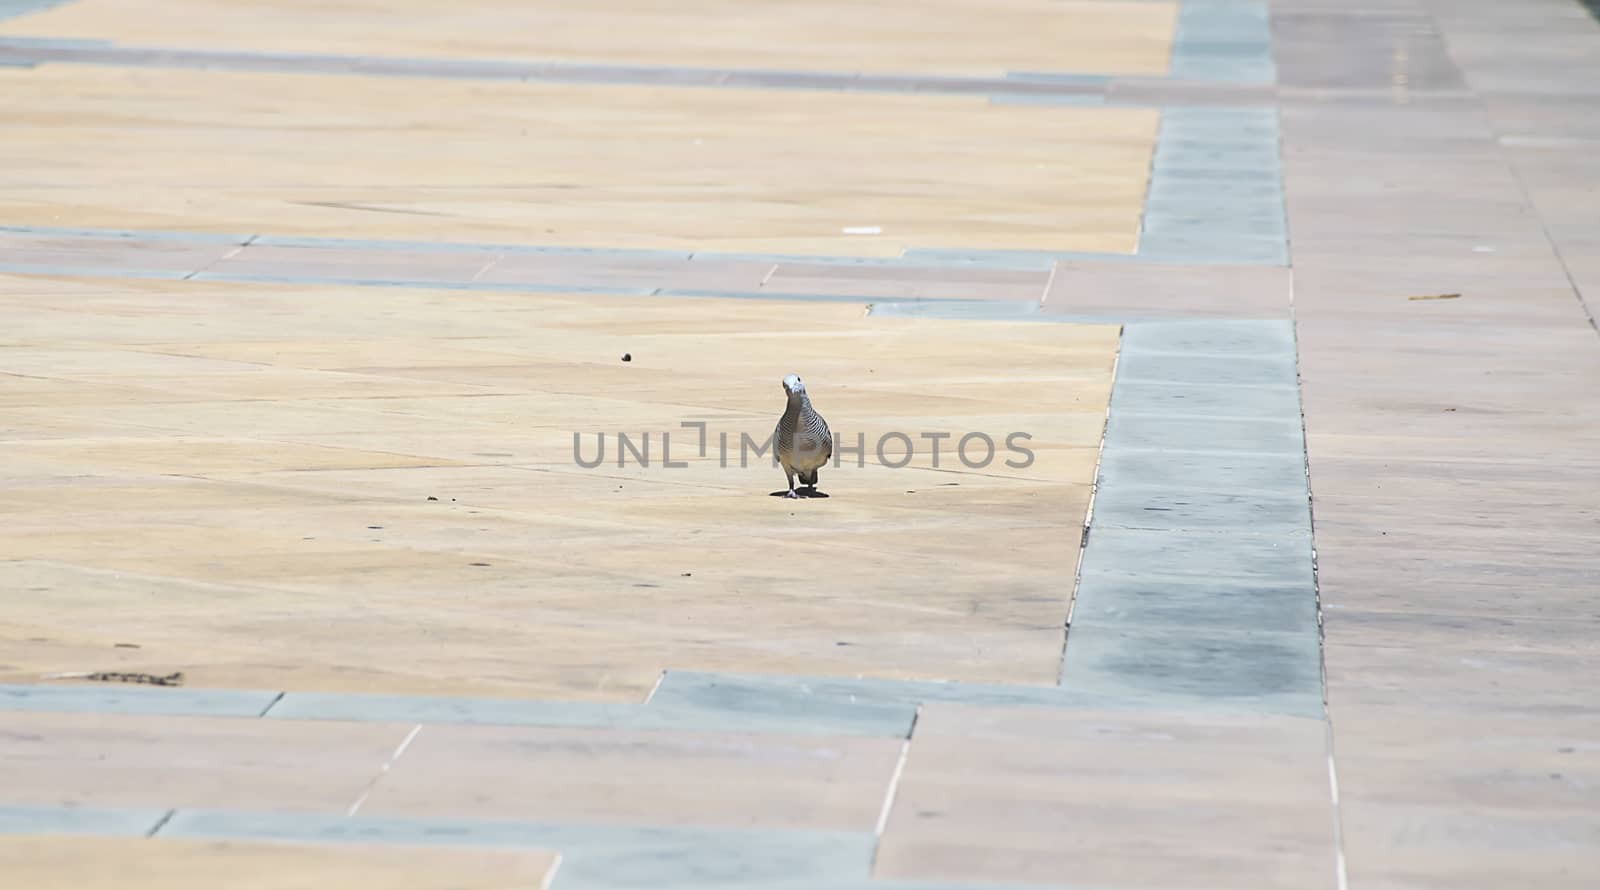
column 199, row 762
column 334, row 354
column 978, row 176
column 181, row 456
column 950, row 37
column 1112, row 799
column 18, row 390
column 83, row 863
column 249, row 527
column 632, row 777
column 51, row 361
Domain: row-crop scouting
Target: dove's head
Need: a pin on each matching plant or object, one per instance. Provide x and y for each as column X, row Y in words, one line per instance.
column 793, row 386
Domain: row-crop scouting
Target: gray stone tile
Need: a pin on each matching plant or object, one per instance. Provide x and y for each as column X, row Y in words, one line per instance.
column 706, row 713
column 443, row 709
column 762, row 693
column 1215, row 155
column 1156, row 367
column 997, row 259
column 1259, row 174
column 807, row 691
column 450, row 247
column 1201, row 399
column 1126, row 506
column 1277, row 672
column 762, row 295
column 1257, row 132
column 1227, row 250
column 1245, row 338
column 123, row 234
column 1051, row 77
column 1262, row 158
column 1220, row 115
column 78, row 820
column 593, row 857
column 1217, row 255
column 1152, row 600
column 1215, row 216
column 1267, row 559
column 1193, row 473
column 18, row 7
column 129, row 699
column 1185, row 433
column 1218, row 228
column 1204, row 194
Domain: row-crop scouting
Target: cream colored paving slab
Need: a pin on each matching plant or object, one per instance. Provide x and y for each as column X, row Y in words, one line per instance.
column 83, row 863
column 899, row 36
column 598, row 166
column 386, row 498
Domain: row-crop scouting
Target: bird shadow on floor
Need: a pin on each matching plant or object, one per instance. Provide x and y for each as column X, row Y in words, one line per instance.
column 803, row 492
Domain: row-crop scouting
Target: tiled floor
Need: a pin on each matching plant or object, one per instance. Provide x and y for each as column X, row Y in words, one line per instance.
column 301, row 308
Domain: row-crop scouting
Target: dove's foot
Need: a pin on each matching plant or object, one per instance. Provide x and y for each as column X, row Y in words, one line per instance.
column 791, row 493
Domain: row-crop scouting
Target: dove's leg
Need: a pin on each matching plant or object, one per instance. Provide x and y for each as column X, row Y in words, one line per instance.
column 792, row 493
column 811, row 481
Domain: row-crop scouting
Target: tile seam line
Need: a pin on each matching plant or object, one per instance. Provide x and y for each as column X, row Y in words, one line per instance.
column 894, row 786
column 383, row 770
column 230, row 254
column 549, row 878
column 1088, row 513
column 1336, row 810
column 271, row 704
column 161, row 823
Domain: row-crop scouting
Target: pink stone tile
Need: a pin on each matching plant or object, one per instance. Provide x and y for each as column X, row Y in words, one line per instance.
column 353, row 263
column 102, row 256
column 1124, row 289
column 224, row 763
column 1039, row 796
column 637, row 777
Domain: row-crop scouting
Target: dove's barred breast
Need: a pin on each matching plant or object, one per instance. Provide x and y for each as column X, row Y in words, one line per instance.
column 813, row 445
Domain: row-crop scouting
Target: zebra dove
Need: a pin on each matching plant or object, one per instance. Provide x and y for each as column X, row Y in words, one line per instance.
column 802, row 440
